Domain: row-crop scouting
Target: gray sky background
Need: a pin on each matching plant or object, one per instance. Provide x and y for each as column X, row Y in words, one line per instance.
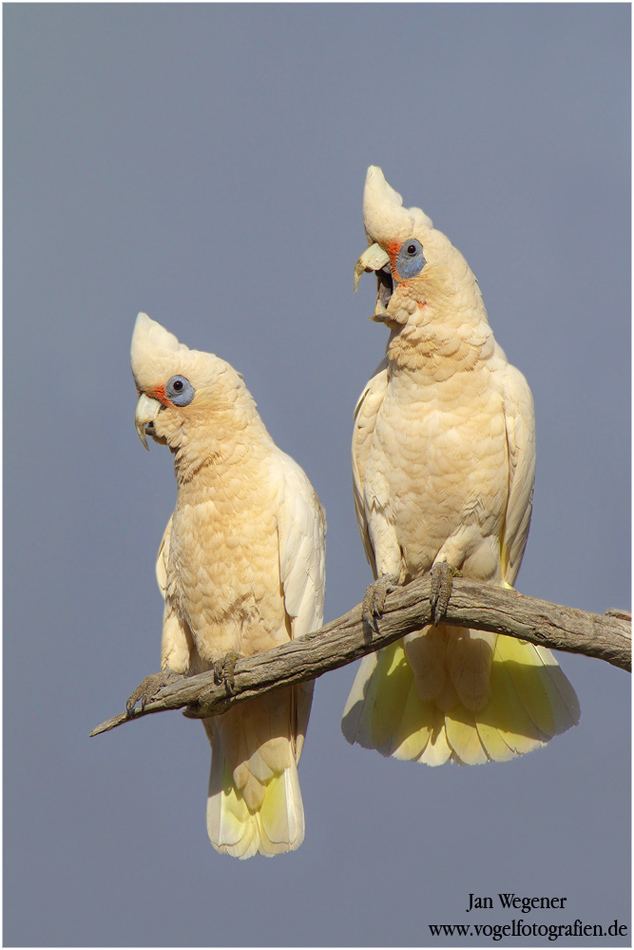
column 205, row 164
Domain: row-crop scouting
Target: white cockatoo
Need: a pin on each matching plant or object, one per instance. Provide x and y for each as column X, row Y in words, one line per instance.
column 241, row 570
column 443, row 458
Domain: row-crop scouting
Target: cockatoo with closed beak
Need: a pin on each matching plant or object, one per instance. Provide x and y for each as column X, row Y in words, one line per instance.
column 443, row 457
column 241, row 569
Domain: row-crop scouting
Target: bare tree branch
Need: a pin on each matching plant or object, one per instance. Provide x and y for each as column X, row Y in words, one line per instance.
column 480, row 606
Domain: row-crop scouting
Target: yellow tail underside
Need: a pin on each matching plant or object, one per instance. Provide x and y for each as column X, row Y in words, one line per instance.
column 530, row 701
column 274, row 828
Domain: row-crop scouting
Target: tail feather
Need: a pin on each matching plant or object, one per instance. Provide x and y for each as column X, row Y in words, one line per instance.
column 413, row 733
column 230, row 824
column 463, row 738
column 529, row 701
column 356, row 715
column 505, row 710
column 254, row 802
column 520, row 660
column 438, row 750
column 387, row 708
column 494, row 744
column 281, row 817
column 563, row 697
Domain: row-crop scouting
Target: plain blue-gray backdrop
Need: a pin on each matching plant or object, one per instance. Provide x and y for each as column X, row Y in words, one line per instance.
column 205, row 163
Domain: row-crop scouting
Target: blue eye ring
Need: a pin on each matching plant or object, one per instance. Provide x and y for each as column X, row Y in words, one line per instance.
column 411, row 259
column 179, row 390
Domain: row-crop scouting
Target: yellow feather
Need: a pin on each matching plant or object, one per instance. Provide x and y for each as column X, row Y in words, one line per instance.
column 493, row 743
column 530, row 701
column 438, row 750
column 232, row 828
column 505, row 712
column 394, row 680
column 415, row 727
column 463, row 737
column 564, row 702
column 527, row 674
column 280, row 820
column 416, row 724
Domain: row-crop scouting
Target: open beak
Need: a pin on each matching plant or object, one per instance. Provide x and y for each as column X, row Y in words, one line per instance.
column 146, row 412
column 372, row 259
column 375, row 260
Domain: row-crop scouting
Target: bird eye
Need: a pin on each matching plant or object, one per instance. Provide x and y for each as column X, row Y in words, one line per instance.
column 180, row 390
column 411, row 259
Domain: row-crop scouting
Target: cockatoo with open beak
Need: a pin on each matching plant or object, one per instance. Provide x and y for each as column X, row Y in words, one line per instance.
column 241, row 569
column 443, row 458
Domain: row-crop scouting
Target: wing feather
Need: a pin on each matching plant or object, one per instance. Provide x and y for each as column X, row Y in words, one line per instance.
column 365, row 414
column 301, row 531
column 161, row 559
column 520, row 436
column 176, row 647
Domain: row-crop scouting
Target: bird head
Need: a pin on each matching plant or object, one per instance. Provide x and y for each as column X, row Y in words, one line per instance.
column 421, row 276
column 185, row 396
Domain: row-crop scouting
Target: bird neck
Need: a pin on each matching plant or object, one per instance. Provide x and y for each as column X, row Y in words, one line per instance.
column 228, row 435
column 439, row 342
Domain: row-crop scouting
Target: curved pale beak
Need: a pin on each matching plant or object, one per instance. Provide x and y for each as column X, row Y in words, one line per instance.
column 146, row 412
column 372, row 259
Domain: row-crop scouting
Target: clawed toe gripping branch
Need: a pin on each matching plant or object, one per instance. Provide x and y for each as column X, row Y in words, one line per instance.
column 406, row 609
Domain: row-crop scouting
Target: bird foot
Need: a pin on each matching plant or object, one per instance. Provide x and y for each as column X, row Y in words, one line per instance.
column 224, row 670
column 374, row 599
column 148, row 688
column 442, row 575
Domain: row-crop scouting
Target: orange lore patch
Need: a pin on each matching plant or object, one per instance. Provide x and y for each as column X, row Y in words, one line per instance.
column 159, row 393
column 392, row 248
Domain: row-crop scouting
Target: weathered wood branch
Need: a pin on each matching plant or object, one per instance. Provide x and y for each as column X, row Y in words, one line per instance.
column 480, row 606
